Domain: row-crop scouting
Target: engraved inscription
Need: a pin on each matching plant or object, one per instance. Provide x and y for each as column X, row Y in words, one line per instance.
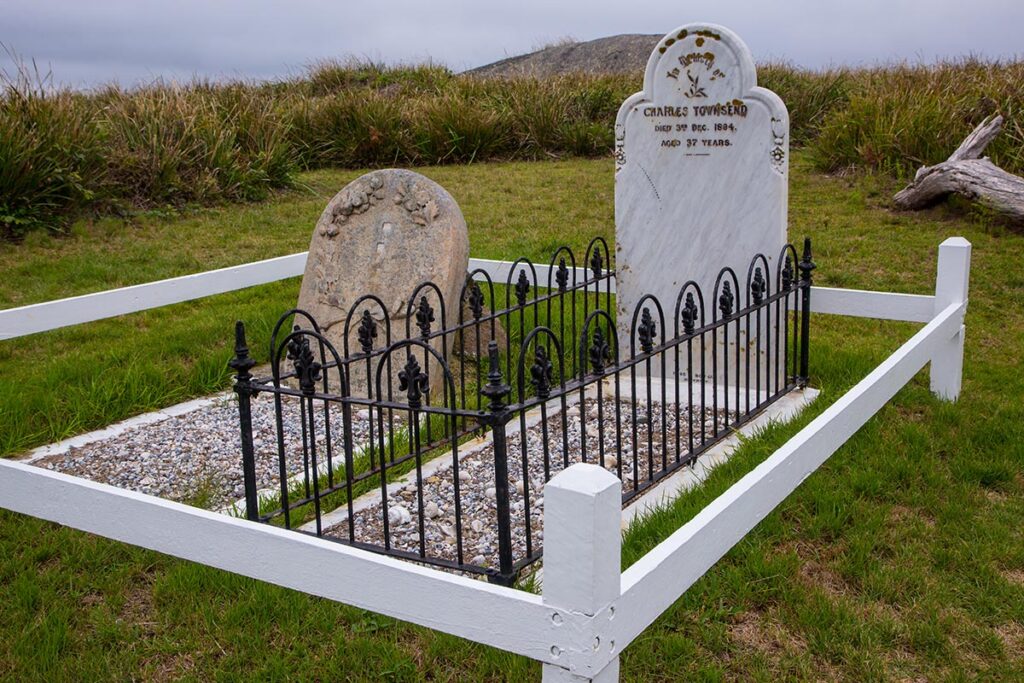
column 696, row 129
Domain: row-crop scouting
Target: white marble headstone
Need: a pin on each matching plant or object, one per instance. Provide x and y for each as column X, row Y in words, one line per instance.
column 701, row 171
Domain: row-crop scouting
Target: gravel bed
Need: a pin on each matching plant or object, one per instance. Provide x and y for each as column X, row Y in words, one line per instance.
column 478, row 513
column 196, row 457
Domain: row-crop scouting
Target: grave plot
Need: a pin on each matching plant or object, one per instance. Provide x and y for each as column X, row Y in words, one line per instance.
column 543, row 354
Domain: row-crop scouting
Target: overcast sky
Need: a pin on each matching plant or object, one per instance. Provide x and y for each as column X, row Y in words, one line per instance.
column 87, row 42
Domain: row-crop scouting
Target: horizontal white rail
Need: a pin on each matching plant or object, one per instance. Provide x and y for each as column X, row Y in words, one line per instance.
column 509, row 619
column 654, row 582
column 860, row 303
column 52, row 315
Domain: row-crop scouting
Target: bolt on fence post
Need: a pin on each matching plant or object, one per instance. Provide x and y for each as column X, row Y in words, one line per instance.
column 242, row 363
column 496, row 390
column 806, row 266
column 582, row 568
column 951, row 285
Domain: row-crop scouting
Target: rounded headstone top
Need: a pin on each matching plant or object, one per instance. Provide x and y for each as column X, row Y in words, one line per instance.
column 699, row 62
column 423, row 200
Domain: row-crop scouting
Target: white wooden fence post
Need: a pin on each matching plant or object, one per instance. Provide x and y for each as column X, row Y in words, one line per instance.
column 582, row 567
column 951, row 283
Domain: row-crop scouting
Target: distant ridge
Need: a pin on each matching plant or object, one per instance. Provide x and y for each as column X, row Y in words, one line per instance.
column 622, row 54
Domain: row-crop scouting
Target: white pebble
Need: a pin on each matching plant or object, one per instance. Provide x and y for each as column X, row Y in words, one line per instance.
column 431, row 510
column 465, row 476
column 477, row 526
column 399, row 515
column 477, row 560
column 519, row 486
column 491, row 492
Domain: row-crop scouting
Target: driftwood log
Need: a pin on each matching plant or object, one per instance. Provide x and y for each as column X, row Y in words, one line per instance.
column 969, row 174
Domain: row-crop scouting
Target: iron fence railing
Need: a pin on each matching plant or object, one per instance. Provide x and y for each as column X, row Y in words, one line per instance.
column 554, row 389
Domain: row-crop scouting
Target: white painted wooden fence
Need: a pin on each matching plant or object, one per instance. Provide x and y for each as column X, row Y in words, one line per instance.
column 589, row 611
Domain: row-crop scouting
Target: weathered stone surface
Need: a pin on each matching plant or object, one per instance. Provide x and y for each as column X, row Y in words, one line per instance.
column 701, row 177
column 384, row 234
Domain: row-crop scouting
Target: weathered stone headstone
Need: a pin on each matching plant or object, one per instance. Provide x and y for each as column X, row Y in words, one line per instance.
column 385, row 233
column 701, row 171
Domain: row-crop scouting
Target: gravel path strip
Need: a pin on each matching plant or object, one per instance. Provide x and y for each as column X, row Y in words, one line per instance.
column 196, row 457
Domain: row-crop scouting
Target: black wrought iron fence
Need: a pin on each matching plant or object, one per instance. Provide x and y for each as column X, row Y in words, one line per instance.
column 435, row 446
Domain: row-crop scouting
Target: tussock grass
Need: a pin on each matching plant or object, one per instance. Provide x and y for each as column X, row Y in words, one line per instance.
column 171, row 145
column 898, row 118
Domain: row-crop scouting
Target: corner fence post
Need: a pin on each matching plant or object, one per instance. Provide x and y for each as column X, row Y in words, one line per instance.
column 242, row 363
column 582, row 566
column 497, row 391
column 951, row 284
column 806, row 266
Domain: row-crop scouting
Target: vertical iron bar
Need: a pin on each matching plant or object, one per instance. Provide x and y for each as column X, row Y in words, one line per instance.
column 311, row 413
column 689, row 393
column 281, row 465
column 346, row 420
column 305, row 445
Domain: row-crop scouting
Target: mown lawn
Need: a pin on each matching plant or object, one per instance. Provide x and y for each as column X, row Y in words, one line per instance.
column 901, row 559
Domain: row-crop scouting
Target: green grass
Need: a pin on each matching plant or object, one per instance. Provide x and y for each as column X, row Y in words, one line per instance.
column 902, row 558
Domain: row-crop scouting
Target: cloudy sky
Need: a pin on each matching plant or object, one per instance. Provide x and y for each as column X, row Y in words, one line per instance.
column 86, row 42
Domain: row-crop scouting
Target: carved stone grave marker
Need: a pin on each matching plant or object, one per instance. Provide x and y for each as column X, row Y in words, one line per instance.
column 701, row 173
column 384, row 234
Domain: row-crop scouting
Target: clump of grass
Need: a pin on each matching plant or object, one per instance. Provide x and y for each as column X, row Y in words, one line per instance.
column 331, row 76
column 900, row 117
column 450, row 129
column 50, row 155
column 810, row 96
column 168, row 144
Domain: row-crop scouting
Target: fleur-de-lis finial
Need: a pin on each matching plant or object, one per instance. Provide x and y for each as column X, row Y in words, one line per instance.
column 596, row 263
column 725, row 300
column 413, row 381
column 562, row 275
column 646, row 331
column 424, row 316
column 787, row 273
column 758, row 286
column 522, row 288
column 689, row 314
column 540, row 372
column 366, row 332
column 476, row 301
column 307, row 368
column 600, row 353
